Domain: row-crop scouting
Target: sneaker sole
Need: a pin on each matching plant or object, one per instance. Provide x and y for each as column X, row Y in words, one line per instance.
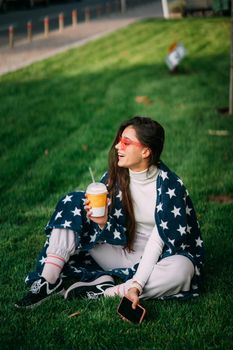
column 100, row 280
column 62, row 292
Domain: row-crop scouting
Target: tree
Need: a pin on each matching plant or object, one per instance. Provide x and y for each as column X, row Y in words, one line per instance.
column 231, row 68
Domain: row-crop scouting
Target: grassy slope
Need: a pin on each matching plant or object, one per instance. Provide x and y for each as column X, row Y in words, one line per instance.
column 59, row 116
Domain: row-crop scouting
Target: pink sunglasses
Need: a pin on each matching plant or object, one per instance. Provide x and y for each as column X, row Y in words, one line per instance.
column 125, row 142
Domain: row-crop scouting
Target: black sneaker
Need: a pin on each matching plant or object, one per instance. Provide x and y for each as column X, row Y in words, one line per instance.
column 91, row 290
column 40, row 290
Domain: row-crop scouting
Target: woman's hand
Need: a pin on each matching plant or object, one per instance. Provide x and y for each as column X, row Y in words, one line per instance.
column 133, row 295
column 101, row 221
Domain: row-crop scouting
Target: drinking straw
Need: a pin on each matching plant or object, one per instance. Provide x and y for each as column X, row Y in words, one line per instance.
column 92, row 176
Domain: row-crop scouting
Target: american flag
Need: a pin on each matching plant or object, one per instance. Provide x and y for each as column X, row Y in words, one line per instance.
column 175, row 218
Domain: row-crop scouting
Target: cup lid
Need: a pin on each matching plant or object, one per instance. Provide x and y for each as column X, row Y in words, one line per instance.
column 96, row 188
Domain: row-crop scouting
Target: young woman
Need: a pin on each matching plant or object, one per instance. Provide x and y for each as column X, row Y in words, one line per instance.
column 149, row 236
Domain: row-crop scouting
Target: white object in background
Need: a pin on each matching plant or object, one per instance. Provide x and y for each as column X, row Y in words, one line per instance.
column 165, row 9
column 175, row 56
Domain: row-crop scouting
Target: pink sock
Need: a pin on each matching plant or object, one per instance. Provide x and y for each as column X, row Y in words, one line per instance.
column 52, row 269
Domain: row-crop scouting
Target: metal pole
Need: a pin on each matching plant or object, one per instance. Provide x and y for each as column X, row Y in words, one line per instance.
column 74, row 18
column 165, row 9
column 61, row 21
column 87, row 12
column 11, row 36
column 29, row 30
column 46, row 27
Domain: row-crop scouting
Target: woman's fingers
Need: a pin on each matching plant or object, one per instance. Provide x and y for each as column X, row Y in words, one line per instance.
column 101, row 221
column 133, row 296
column 135, row 303
column 87, row 201
column 87, row 207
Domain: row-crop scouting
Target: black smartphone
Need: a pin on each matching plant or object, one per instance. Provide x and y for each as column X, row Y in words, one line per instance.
column 133, row 315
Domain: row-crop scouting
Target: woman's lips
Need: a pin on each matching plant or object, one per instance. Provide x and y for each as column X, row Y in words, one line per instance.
column 120, row 156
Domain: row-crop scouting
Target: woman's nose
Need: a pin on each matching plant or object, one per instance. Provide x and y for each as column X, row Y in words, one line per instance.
column 117, row 146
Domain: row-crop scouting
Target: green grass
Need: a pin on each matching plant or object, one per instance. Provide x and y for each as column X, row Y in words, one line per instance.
column 59, row 116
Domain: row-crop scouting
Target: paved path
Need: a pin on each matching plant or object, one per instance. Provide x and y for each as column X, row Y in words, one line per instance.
column 25, row 53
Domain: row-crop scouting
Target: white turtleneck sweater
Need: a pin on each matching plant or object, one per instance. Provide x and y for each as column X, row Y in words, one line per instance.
column 143, row 192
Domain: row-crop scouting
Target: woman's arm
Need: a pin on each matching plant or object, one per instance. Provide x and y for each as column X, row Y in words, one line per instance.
column 151, row 254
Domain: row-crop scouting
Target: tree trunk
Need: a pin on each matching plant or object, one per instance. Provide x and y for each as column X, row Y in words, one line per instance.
column 231, row 68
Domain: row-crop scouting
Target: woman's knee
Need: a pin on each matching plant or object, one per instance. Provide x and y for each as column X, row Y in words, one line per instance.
column 170, row 276
column 183, row 269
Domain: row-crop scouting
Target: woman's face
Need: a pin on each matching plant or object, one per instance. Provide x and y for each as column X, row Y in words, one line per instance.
column 131, row 153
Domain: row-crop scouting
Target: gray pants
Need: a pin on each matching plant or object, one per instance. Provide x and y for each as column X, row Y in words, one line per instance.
column 169, row 276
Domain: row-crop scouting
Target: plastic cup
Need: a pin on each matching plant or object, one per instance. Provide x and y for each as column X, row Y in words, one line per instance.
column 97, row 194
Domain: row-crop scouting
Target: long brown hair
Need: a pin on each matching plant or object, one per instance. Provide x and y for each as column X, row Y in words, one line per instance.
column 150, row 134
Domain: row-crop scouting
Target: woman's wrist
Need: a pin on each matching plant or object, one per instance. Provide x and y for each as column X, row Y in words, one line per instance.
column 102, row 223
column 136, row 287
column 101, row 226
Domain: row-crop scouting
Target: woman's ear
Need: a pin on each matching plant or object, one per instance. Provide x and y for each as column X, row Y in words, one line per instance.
column 146, row 152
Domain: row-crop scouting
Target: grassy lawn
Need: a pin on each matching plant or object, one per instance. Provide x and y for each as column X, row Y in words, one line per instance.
column 58, row 117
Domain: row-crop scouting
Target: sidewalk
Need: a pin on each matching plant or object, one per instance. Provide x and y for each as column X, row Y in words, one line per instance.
column 25, row 53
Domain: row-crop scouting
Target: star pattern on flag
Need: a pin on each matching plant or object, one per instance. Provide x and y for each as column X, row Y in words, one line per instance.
column 163, row 175
column 67, row 199
column 177, row 220
column 172, row 241
column 159, row 207
column 174, row 215
column 176, row 211
column 163, row 224
column 93, row 237
column 118, row 213
column 180, row 181
column 42, row 260
column 188, row 210
column 76, row 211
column 108, row 226
column 182, row 230
column 119, row 195
column 199, row 242
column 171, row 192
column 67, row 224
column 58, row 215
column 117, row 234
column 75, row 269
column 46, row 242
